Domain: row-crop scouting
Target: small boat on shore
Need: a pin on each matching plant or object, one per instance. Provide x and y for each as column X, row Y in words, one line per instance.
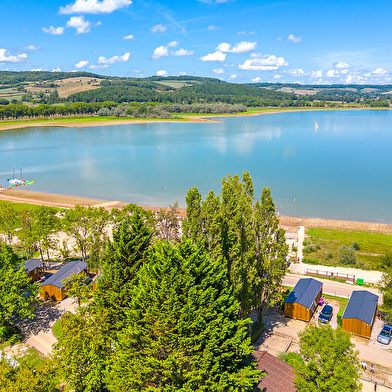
column 18, row 181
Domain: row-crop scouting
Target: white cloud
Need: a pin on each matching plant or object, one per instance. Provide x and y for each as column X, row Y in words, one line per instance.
column 5, row 57
column 31, row 47
column 82, row 64
column 182, row 52
column 297, row 72
column 98, row 66
column 212, row 27
column 160, row 51
column 240, row 47
column 256, row 80
column 317, row 74
column 216, row 56
column 114, row 59
column 245, row 33
column 53, row 30
column 218, row 71
column 36, row 70
column 332, row 73
column 162, row 72
column 158, row 28
column 380, row 72
column 99, row 23
column 342, row 65
column 350, row 79
column 94, row 6
column 82, row 26
column 277, row 76
column 232, row 77
column 56, row 69
column 172, row 44
column 182, row 73
column 260, row 62
column 293, row 38
column 130, row 36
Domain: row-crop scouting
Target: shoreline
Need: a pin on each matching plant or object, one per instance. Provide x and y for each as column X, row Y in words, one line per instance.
column 17, row 195
column 81, row 122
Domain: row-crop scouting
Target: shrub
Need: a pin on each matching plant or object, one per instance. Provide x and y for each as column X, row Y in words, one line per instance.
column 292, row 359
column 347, row 255
column 329, row 256
column 355, row 246
column 310, row 261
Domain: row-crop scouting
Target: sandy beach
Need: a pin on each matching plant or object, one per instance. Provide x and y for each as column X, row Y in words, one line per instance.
column 21, row 195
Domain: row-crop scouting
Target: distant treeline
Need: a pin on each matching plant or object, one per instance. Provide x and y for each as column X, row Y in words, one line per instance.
column 108, row 108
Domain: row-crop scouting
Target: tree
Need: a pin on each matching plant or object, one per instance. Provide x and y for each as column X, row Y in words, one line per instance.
column 17, row 293
column 386, row 288
column 86, row 225
column 78, row 287
column 8, row 218
column 81, row 355
column 247, row 236
column 330, row 362
column 124, row 256
column 168, row 224
column 183, row 329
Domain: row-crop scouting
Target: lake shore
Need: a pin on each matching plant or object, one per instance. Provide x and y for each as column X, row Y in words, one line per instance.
column 21, row 195
column 94, row 121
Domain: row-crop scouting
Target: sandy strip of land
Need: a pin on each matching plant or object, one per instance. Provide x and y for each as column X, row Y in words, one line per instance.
column 21, row 195
column 98, row 123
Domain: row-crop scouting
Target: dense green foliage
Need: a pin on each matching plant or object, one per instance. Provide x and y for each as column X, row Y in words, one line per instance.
column 183, row 329
column 245, row 235
column 17, row 293
column 330, row 362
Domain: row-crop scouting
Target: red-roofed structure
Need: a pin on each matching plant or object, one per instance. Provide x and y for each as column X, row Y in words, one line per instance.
column 279, row 375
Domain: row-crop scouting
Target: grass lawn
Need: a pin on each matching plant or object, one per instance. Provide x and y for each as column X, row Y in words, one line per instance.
column 57, row 330
column 322, row 245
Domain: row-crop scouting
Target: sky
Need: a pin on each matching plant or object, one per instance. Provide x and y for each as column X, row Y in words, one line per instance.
column 241, row 41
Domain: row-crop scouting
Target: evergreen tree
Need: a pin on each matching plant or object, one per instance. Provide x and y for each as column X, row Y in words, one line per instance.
column 183, row 329
column 122, row 260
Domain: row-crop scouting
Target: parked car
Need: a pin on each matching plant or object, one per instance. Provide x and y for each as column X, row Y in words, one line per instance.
column 45, row 277
column 326, row 314
column 385, row 335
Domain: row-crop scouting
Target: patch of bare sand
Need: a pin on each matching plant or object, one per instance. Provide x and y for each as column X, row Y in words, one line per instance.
column 21, row 195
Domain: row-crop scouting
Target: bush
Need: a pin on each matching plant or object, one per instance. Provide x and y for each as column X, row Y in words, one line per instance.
column 347, row 255
column 306, row 242
column 355, row 246
column 8, row 332
column 310, row 261
column 329, row 256
column 292, row 359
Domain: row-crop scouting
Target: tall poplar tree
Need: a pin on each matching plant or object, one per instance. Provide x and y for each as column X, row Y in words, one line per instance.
column 183, row 329
column 245, row 234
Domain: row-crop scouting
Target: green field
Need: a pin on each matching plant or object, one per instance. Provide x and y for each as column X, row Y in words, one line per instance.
column 178, row 83
column 323, row 245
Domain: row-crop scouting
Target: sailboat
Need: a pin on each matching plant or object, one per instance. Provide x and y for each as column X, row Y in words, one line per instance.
column 18, row 181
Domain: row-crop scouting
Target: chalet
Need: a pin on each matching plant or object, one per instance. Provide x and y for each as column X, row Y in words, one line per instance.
column 302, row 302
column 54, row 287
column 279, row 375
column 32, row 268
column 360, row 313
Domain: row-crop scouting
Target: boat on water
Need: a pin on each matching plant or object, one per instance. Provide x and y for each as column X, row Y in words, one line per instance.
column 18, row 181
column 315, row 127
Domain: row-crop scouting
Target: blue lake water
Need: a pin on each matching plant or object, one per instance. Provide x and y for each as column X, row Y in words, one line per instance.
column 342, row 171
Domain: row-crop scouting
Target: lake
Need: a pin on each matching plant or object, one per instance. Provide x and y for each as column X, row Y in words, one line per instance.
column 342, row 171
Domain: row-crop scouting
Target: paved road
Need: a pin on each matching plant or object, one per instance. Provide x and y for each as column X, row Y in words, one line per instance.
column 331, row 287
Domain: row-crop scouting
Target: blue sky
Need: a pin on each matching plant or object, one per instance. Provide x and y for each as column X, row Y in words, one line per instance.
column 243, row 41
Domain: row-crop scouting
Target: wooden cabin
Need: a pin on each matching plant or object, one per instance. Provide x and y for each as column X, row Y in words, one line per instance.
column 360, row 313
column 32, row 268
column 53, row 288
column 302, row 302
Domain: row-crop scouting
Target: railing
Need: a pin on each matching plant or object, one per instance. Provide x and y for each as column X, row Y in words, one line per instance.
column 329, row 274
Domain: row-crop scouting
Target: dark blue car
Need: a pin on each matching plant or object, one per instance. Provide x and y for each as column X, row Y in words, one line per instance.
column 326, row 314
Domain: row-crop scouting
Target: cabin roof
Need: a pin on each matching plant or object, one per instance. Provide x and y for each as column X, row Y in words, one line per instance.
column 361, row 306
column 65, row 272
column 304, row 292
column 279, row 375
column 32, row 264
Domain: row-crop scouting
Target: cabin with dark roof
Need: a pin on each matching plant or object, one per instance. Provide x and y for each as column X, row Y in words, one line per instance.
column 53, row 288
column 302, row 302
column 32, row 268
column 279, row 375
column 360, row 313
